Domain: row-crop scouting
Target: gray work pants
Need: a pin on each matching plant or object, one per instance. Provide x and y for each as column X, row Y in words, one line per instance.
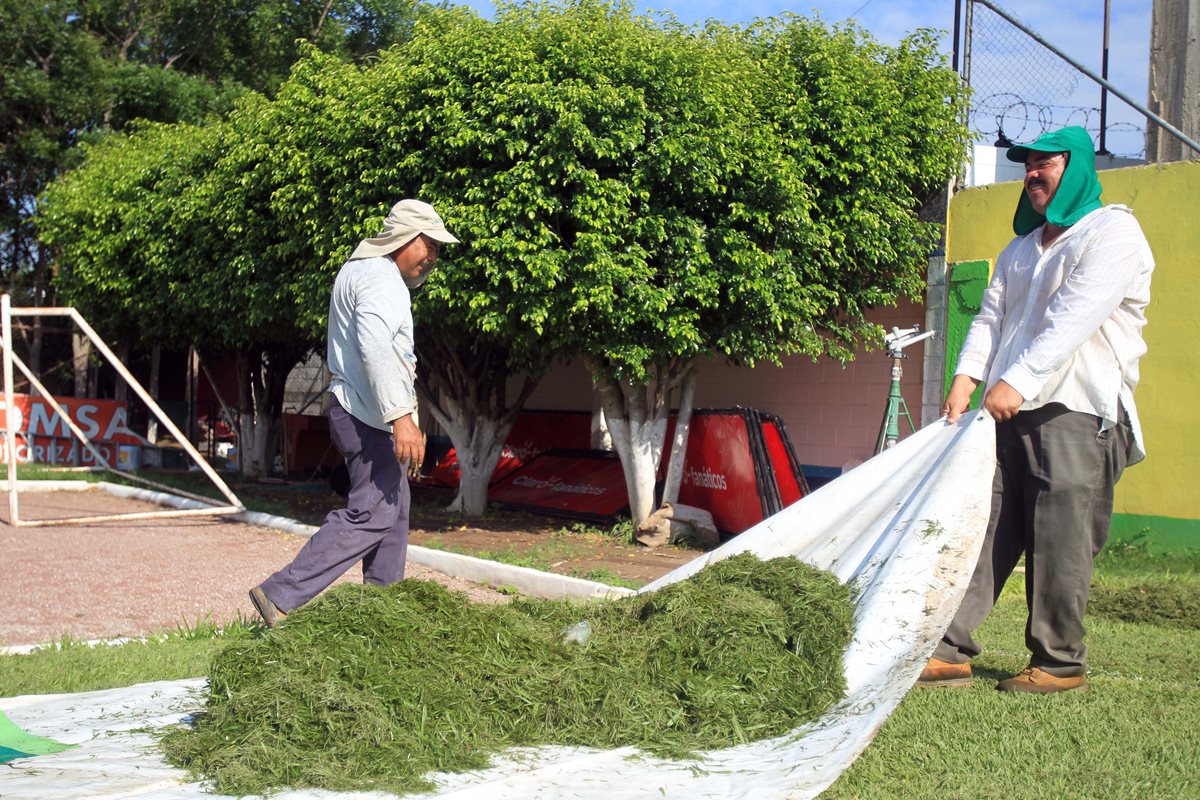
column 373, row 528
column 1052, row 501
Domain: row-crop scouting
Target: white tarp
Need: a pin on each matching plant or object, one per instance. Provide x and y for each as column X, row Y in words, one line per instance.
column 905, row 527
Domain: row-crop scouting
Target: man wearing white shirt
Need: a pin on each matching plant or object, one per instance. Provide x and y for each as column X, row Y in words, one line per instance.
column 372, row 411
column 1056, row 343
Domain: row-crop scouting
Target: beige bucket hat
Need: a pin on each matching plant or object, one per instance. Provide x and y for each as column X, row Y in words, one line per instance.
column 407, row 220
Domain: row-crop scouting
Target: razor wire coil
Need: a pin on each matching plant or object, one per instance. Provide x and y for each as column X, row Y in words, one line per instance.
column 1020, row 89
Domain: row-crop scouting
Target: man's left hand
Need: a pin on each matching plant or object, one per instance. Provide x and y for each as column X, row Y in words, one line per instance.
column 1003, row 402
column 409, row 442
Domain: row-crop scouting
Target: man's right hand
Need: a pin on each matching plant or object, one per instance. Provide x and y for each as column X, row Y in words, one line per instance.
column 410, row 443
column 959, row 398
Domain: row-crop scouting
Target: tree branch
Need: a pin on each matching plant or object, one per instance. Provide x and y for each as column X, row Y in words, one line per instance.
column 321, row 22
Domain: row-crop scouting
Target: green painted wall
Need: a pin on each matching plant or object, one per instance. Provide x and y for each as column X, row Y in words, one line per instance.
column 1162, row 494
column 965, row 284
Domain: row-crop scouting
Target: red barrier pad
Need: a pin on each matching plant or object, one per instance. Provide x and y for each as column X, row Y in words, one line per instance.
column 719, row 472
column 740, row 467
column 582, row 484
column 533, row 433
column 43, row 437
column 789, row 478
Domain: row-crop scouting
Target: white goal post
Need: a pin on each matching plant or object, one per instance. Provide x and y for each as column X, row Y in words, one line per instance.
column 7, row 313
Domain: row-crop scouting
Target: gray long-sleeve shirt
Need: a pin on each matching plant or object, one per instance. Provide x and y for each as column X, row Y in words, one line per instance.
column 371, row 353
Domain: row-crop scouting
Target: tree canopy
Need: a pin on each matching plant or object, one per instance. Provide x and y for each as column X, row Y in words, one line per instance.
column 629, row 190
column 72, row 71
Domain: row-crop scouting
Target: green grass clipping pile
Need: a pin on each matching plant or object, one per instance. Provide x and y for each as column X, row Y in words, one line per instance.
column 374, row 687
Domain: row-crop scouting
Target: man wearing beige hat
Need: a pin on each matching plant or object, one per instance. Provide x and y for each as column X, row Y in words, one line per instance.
column 372, row 411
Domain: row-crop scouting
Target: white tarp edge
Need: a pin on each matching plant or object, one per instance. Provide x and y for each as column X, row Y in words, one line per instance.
column 905, row 527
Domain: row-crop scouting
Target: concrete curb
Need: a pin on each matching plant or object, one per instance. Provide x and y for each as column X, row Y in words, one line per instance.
column 477, row 570
column 50, row 486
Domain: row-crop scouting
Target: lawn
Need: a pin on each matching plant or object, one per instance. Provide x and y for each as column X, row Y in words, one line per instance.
column 1131, row 735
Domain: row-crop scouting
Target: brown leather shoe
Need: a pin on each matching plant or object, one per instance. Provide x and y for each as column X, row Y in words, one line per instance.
column 1038, row 681
column 945, row 673
column 269, row 612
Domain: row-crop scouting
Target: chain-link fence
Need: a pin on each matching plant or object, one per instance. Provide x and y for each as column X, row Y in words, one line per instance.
column 1020, row 89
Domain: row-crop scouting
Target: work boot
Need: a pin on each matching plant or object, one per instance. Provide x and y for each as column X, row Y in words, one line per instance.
column 270, row 613
column 1038, row 681
column 945, row 673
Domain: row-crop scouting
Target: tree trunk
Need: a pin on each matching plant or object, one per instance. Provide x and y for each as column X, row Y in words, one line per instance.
column 155, row 369
column 39, row 293
column 81, row 352
column 465, row 387
column 262, row 377
column 478, row 444
column 120, row 387
column 637, row 422
column 679, row 441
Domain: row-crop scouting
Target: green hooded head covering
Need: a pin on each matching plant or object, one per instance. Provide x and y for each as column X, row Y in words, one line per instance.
column 1079, row 192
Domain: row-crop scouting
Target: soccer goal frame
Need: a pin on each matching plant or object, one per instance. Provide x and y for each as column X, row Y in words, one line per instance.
column 7, row 313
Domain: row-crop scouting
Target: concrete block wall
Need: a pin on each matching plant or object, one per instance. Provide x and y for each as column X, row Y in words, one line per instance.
column 832, row 412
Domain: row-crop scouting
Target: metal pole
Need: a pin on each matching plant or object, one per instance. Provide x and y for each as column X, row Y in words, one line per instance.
column 10, row 419
column 1147, row 113
column 891, row 415
column 182, row 512
column 967, row 36
column 205, row 467
column 1104, row 74
column 82, row 437
column 957, row 27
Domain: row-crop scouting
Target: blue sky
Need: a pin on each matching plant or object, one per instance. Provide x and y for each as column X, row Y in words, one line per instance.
column 1075, row 26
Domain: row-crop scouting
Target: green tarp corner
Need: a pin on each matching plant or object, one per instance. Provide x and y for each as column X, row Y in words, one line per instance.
column 16, row 743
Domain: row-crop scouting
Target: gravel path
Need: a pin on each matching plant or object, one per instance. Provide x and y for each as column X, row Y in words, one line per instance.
column 137, row 577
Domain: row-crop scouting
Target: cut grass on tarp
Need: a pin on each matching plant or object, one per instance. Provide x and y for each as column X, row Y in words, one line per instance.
column 373, row 688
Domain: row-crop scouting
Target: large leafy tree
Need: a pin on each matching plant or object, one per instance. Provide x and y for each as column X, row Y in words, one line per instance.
column 75, row 70
column 642, row 194
column 781, row 224
column 630, row 191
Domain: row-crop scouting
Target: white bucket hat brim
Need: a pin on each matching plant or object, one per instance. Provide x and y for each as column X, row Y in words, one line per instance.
column 407, row 220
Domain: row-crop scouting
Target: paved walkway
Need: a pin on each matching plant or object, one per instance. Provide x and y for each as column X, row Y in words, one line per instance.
column 136, row 577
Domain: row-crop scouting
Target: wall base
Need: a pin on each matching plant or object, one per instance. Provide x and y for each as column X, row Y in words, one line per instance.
column 1164, row 534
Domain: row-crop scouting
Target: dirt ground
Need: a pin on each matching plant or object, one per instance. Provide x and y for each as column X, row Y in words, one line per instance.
column 139, row 577
column 554, row 544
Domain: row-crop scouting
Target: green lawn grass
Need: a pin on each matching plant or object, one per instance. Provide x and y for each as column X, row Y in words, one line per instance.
column 1132, row 734
column 76, row 666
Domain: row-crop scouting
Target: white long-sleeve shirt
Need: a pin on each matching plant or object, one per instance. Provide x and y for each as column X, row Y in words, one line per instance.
column 1063, row 324
column 370, row 351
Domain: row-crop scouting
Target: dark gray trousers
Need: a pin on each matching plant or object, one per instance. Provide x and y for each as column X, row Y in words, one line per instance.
column 1052, row 501
column 373, row 528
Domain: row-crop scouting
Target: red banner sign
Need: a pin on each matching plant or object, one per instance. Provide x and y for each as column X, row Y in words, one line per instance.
column 584, row 485
column 533, row 433
column 43, row 437
column 719, row 471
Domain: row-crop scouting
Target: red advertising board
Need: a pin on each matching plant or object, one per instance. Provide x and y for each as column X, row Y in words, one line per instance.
column 533, row 433
column 786, row 470
column 43, row 436
column 581, row 484
column 719, row 472
column 739, row 466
